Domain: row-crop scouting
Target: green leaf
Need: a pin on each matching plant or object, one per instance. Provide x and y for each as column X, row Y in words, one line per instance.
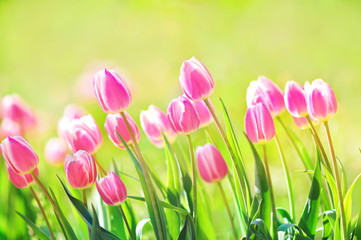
column 40, row 233
column 348, row 204
column 328, row 223
column 187, row 230
column 140, row 226
column 258, row 229
column 357, row 235
column 286, row 218
column 308, row 221
column 97, row 233
column 291, row 231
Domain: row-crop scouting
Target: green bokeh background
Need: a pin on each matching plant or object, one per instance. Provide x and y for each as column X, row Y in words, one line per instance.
column 47, row 47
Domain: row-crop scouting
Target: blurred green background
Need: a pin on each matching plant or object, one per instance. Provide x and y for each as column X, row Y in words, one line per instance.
column 49, row 51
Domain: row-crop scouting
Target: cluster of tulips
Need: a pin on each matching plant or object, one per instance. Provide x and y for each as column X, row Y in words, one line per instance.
column 251, row 215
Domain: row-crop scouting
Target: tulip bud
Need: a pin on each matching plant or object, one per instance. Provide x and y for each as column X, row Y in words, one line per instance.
column 17, row 110
column 267, row 92
column 195, row 80
column 112, row 189
column 19, row 180
column 111, row 91
column 295, row 100
column 155, row 122
column 211, row 164
column 55, row 151
column 80, row 169
column 19, row 155
column 84, row 134
column 115, row 124
column 71, row 112
column 321, row 100
column 259, row 124
column 183, row 116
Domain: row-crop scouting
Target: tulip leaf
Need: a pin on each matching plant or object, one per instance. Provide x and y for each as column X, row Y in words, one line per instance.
column 291, row 231
column 258, row 229
column 328, row 223
column 40, row 233
column 188, row 231
column 309, row 218
column 98, row 233
column 357, row 234
column 284, row 215
column 348, row 204
column 140, row 226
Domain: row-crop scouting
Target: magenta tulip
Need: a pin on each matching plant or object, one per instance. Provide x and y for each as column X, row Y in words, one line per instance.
column 17, row 110
column 10, row 128
column 295, row 100
column 155, row 122
column 183, row 116
column 19, row 155
column 71, row 112
column 259, row 124
column 205, row 116
column 80, row 169
column 84, row 134
column 267, row 92
column 115, row 124
column 55, row 151
column 195, row 80
column 112, row 189
column 111, row 91
column 211, row 164
column 19, row 180
column 321, row 100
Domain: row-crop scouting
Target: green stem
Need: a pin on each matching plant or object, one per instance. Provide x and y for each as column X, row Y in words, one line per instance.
column 100, row 167
column 228, row 209
column 337, row 177
column 146, row 176
column 208, row 130
column 126, row 222
column 318, row 141
column 273, row 205
column 233, row 157
column 43, row 213
column 288, row 179
column 83, row 193
column 194, row 178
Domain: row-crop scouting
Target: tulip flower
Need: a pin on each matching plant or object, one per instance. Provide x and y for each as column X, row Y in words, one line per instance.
column 267, row 92
column 259, row 124
column 19, row 155
column 111, row 91
column 17, row 110
column 155, row 122
column 183, row 116
column 195, row 80
column 115, row 124
column 295, row 100
column 211, row 164
column 10, row 128
column 19, row 180
column 84, row 134
column 321, row 100
column 205, row 116
column 55, row 151
column 71, row 112
column 80, row 169
column 111, row 189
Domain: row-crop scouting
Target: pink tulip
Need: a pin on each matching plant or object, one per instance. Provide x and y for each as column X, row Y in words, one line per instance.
column 267, row 92
column 211, row 164
column 295, row 100
column 19, row 180
column 55, row 151
column 111, row 91
column 112, row 189
column 195, row 80
column 259, row 124
column 19, row 155
column 10, row 128
column 84, row 134
column 80, row 169
column 183, row 116
column 71, row 112
column 17, row 110
column 205, row 116
column 115, row 124
column 155, row 122
column 321, row 100
column 302, row 122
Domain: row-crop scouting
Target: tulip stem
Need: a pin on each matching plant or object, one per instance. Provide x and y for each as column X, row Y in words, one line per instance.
column 194, row 178
column 208, row 130
column 337, row 177
column 228, row 209
column 318, row 142
column 288, row 179
column 83, row 193
column 102, row 170
column 126, row 222
column 273, row 205
column 146, row 176
column 43, row 213
column 233, row 157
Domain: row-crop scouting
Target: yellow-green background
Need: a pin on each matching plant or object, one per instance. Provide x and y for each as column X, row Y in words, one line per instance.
column 47, row 46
